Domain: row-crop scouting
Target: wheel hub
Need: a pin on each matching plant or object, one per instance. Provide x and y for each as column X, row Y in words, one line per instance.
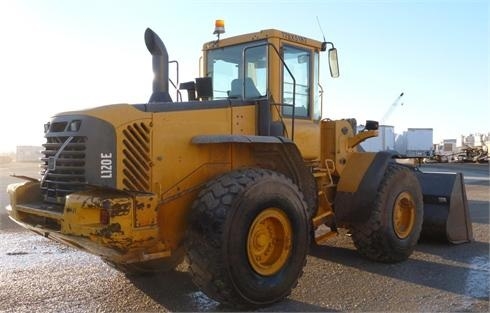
column 269, row 241
column 404, row 215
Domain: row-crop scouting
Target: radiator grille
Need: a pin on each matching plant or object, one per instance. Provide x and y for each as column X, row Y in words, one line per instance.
column 63, row 167
column 136, row 157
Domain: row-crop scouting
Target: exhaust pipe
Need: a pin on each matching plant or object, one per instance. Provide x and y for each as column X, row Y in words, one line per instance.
column 160, row 67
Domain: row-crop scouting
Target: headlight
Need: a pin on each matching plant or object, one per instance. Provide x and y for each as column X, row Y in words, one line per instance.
column 75, row 126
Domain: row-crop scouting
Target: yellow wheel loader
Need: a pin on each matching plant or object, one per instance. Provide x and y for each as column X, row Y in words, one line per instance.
column 240, row 178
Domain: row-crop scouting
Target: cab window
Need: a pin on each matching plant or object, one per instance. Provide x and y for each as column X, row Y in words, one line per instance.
column 298, row 62
column 238, row 72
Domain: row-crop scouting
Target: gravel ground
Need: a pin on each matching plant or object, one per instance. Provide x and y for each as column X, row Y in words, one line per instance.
column 39, row 275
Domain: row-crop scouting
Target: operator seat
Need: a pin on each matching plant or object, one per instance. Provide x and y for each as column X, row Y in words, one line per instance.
column 250, row 90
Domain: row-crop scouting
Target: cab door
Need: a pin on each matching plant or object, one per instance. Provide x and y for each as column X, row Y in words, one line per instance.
column 301, row 98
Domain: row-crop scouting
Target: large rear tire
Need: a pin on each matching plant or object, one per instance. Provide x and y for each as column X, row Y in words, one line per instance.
column 248, row 237
column 393, row 229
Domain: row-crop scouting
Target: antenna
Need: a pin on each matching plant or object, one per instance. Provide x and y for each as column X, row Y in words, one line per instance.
column 320, row 26
column 324, row 43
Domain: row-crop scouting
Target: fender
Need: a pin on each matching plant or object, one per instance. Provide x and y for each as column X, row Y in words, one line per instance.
column 358, row 186
column 276, row 153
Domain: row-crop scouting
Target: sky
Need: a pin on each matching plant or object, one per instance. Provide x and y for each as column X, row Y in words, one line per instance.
column 63, row 55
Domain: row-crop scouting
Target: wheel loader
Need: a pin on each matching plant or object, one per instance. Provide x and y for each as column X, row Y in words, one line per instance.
column 240, row 179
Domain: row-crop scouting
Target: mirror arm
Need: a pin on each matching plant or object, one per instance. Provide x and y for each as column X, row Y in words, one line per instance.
column 325, row 45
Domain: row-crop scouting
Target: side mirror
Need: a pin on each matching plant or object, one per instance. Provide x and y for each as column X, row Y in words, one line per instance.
column 333, row 62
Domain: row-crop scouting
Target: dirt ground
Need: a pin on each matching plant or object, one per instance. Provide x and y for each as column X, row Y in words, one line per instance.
column 38, row 275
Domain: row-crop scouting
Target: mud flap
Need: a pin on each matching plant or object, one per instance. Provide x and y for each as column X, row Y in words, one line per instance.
column 446, row 212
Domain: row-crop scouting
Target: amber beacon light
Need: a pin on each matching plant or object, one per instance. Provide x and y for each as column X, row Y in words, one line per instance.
column 219, row 27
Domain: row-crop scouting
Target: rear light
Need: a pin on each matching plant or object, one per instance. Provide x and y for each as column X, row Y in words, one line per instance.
column 105, row 212
column 104, row 217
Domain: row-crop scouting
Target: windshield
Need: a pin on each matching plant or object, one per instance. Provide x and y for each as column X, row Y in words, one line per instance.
column 239, row 72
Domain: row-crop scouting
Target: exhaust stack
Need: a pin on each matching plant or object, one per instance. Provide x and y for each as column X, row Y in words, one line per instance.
column 160, row 67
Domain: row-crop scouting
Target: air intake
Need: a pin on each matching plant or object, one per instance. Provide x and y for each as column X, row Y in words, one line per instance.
column 136, row 157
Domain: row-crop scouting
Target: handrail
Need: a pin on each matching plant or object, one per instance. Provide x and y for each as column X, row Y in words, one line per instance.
column 178, row 96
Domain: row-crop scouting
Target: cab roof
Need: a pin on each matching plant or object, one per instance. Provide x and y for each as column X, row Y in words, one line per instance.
column 261, row 35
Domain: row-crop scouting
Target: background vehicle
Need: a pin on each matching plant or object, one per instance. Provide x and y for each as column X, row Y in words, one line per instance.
column 240, row 178
column 415, row 142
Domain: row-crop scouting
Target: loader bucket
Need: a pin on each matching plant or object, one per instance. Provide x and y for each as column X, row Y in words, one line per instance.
column 446, row 213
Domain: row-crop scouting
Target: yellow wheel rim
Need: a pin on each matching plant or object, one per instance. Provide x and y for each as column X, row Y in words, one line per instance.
column 269, row 241
column 404, row 215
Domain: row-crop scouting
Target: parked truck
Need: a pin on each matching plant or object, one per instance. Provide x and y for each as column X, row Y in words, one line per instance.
column 384, row 141
column 415, row 142
column 238, row 178
column 419, row 141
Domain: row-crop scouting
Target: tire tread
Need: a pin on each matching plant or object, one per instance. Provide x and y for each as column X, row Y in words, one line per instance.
column 370, row 238
column 204, row 235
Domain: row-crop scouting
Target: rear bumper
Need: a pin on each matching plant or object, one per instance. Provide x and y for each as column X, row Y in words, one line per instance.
column 77, row 242
column 100, row 221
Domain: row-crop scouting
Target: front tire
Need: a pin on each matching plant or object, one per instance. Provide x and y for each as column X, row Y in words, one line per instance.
column 248, row 237
column 393, row 229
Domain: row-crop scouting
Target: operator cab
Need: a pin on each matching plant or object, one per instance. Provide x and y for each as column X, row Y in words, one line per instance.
column 270, row 64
